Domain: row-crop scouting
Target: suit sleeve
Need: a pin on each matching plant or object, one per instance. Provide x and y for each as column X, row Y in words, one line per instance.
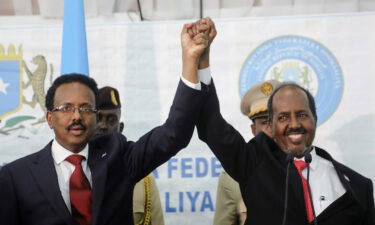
column 370, row 212
column 8, row 201
column 163, row 142
column 235, row 155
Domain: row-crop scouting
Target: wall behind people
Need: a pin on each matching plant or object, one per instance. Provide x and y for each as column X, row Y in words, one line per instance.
column 331, row 54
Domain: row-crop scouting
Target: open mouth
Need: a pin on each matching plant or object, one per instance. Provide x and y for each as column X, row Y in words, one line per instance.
column 295, row 138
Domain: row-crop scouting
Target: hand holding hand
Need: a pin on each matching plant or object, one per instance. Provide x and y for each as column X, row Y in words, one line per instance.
column 193, row 45
column 207, row 27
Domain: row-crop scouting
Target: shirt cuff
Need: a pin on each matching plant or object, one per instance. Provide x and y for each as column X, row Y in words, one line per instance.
column 197, row 86
column 204, row 76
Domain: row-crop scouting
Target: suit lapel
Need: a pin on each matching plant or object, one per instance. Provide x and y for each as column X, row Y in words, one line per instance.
column 345, row 200
column 338, row 169
column 98, row 166
column 45, row 175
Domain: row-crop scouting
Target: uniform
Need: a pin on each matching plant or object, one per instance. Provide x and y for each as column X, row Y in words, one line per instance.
column 147, row 207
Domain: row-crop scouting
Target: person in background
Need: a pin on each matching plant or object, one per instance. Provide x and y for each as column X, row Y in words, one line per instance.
column 147, row 208
column 230, row 208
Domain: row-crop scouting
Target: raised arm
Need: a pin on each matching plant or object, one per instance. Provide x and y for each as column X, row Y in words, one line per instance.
column 163, row 142
column 225, row 142
column 193, row 46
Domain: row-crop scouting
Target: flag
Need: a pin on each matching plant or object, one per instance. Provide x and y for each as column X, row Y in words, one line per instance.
column 74, row 57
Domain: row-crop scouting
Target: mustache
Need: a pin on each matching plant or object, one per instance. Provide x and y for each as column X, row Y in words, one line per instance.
column 75, row 123
column 300, row 130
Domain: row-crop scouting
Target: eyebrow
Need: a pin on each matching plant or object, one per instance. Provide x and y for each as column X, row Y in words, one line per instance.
column 82, row 104
column 298, row 111
column 303, row 111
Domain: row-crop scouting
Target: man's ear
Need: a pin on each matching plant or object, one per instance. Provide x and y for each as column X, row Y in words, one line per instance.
column 269, row 130
column 49, row 119
column 253, row 129
column 121, row 127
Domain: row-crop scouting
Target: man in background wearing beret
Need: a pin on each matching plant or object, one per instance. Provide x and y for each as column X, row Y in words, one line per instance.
column 230, row 208
column 147, row 208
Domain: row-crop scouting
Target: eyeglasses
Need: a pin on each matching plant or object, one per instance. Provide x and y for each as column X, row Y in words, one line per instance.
column 68, row 109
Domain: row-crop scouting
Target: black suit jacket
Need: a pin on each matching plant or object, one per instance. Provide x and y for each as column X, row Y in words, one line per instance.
column 29, row 191
column 259, row 167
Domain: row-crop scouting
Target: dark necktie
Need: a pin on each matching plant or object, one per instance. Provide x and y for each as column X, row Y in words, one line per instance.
column 301, row 165
column 80, row 192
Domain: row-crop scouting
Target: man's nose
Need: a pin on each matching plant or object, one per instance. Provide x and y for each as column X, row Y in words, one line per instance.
column 102, row 126
column 76, row 114
column 294, row 122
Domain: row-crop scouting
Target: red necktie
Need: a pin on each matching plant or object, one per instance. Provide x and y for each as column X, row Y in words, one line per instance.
column 300, row 165
column 80, row 192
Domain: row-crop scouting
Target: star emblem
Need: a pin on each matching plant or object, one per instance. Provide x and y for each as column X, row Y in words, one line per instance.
column 3, row 86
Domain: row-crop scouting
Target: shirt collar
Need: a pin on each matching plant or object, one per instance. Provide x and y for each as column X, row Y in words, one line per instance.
column 59, row 153
column 314, row 157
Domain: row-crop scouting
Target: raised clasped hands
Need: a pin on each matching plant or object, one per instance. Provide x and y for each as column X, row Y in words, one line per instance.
column 196, row 39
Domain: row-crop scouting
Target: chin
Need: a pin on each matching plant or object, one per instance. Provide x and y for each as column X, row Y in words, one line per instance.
column 300, row 149
column 81, row 140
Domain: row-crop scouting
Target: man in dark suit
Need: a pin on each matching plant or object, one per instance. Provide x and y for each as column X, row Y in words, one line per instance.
column 77, row 181
column 230, row 208
column 339, row 194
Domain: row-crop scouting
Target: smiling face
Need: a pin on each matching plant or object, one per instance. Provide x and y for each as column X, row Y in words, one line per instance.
column 73, row 129
column 293, row 124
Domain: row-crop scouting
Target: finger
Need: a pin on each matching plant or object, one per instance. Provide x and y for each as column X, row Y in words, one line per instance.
column 191, row 33
column 199, row 36
column 194, row 28
column 204, row 20
column 213, row 31
column 200, row 39
column 203, row 27
column 185, row 28
column 208, row 20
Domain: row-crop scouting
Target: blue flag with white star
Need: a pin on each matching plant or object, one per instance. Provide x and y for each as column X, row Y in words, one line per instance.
column 10, row 93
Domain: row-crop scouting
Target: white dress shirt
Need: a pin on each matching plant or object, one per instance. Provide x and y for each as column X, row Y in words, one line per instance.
column 325, row 184
column 64, row 169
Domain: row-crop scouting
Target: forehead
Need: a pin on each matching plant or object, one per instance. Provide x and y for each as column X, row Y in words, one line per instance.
column 290, row 98
column 74, row 93
column 110, row 112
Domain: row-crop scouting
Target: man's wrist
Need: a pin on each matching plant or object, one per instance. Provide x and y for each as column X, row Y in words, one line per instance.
column 204, row 61
column 189, row 68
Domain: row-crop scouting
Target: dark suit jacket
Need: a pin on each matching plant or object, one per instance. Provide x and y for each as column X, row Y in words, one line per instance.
column 29, row 191
column 259, row 167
